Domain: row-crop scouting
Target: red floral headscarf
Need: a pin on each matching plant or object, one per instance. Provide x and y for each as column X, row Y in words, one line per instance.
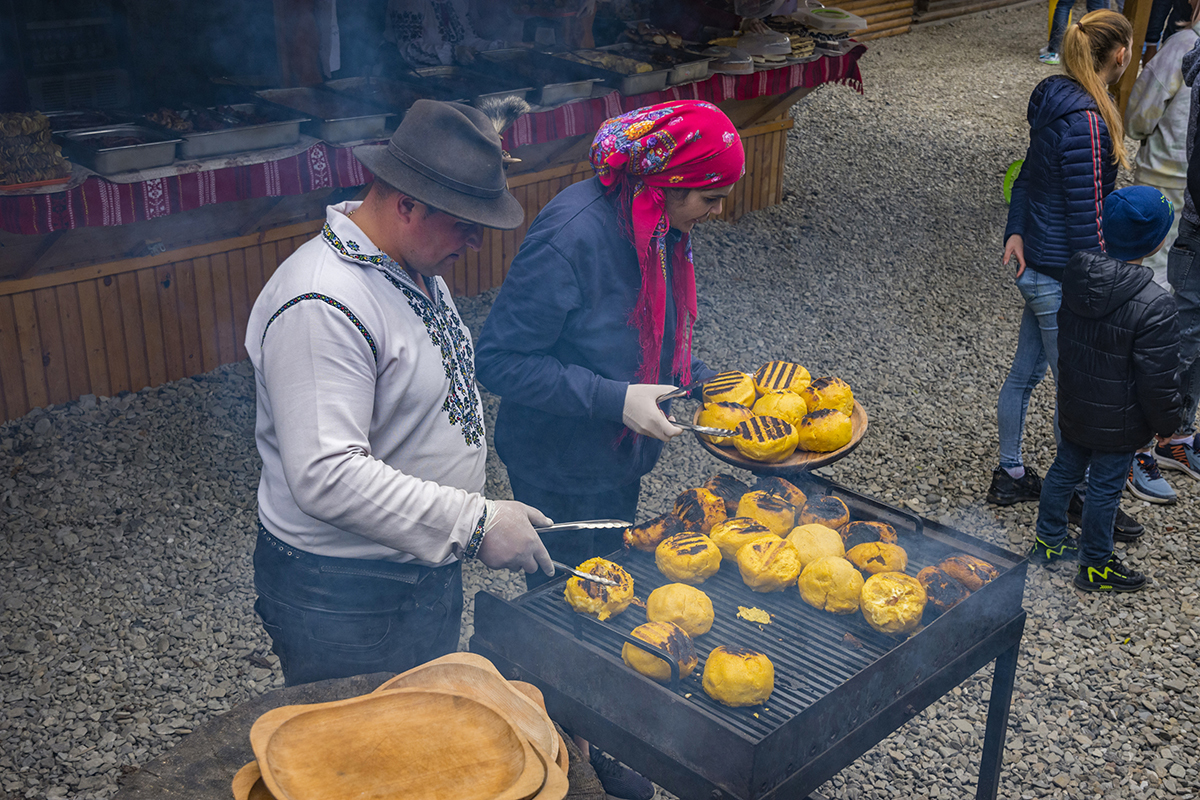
column 686, row 144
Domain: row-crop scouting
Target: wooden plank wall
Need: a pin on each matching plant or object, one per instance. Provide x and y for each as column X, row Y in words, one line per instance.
column 125, row 325
column 884, row 17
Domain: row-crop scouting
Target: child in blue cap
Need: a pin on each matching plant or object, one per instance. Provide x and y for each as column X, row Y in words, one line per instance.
column 1118, row 346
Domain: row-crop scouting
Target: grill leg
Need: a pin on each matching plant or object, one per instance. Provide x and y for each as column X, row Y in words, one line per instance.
column 997, row 723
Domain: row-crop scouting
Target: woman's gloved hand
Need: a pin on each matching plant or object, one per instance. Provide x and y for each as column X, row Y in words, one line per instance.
column 509, row 540
column 642, row 415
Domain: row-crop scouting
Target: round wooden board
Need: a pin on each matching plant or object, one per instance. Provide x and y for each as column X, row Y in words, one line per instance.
column 801, row 460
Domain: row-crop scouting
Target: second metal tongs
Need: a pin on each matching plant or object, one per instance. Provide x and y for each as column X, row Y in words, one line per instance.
column 686, row 391
column 584, row 525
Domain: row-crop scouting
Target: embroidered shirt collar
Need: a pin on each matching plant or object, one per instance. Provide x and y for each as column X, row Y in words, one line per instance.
column 349, row 241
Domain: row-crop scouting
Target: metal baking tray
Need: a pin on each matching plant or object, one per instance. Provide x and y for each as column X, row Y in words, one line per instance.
column 395, row 96
column 638, row 83
column 156, row 149
column 81, row 119
column 558, row 85
column 282, row 127
column 463, row 85
column 684, row 67
column 337, row 118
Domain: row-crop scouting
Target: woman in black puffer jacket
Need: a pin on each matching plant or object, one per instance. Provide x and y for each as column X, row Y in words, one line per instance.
column 1071, row 165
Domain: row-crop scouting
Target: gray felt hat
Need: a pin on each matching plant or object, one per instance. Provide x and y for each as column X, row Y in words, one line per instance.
column 448, row 156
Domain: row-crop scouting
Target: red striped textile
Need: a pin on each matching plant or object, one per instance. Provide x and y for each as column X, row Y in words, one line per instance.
column 97, row 202
column 586, row 116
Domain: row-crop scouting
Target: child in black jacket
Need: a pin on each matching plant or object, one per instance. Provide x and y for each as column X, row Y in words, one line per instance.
column 1117, row 384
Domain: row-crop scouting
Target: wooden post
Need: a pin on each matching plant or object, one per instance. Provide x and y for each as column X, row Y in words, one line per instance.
column 1138, row 14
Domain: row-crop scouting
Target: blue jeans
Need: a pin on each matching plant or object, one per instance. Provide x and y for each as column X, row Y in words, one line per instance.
column 1037, row 348
column 1106, row 478
column 574, row 547
column 1183, row 273
column 338, row 617
column 1061, row 12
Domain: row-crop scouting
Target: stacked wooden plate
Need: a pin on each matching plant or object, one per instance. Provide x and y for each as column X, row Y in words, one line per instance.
column 453, row 727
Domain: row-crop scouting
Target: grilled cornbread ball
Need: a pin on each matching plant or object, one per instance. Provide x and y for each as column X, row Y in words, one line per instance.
column 787, row 406
column 972, row 572
column 782, row 488
column 893, row 602
column 730, row 387
column 781, row 376
column 768, row 564
column 735, row 533
column 856, row 533
column 943, row 590
column 728, row 488
column 824, row 430
column 829, row 393
column 683, row 605
column 766, row 439
column 602, row 602
column 647, row 535
column 689, row 557
column 826, row 510
column 831, row 584
column 722, row 415
column 814, row 541
column 877, row 557
column 700, row 509
column 738, row 676
column 778, row 515
column 669, row 637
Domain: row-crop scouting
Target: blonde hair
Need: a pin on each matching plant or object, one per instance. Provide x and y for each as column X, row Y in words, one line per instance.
column 1087, row 47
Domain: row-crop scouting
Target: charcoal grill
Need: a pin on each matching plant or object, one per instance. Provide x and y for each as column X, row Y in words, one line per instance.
column 840, row 686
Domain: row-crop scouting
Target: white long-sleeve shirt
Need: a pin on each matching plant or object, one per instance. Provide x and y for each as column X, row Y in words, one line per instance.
column 1157, row 114
column 369, row 424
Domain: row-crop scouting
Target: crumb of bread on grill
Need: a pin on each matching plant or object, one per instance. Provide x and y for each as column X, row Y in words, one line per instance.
column 754, row 615
column 638, row 602
column 756, row 715
column 849, row 641
column 689, row 694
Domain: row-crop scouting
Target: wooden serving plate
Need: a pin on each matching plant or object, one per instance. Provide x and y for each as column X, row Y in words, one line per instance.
column 474, row 676
column 412, row 743
column 801, row 460
column 535, row 694
column 248, row 784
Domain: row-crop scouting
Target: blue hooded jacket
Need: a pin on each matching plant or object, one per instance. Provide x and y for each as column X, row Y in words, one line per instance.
column 1058, row 199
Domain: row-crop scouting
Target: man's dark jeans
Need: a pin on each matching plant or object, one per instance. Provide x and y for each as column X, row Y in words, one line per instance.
column 337, row 617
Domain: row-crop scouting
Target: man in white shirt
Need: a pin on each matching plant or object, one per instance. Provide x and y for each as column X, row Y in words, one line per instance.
column 369, row 424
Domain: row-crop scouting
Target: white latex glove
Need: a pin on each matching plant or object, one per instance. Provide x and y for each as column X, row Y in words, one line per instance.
column 509, row 540
column 642, row 415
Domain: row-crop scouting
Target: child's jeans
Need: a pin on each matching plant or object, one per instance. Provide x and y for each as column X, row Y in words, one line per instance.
column 1106, row 479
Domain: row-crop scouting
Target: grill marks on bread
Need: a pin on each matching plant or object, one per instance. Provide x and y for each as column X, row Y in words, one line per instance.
column 764, row 429
column 776, row 375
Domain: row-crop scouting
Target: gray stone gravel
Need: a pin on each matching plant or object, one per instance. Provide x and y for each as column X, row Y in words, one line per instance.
column 126, row 528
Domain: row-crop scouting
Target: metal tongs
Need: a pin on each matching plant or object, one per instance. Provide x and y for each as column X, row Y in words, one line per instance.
column 584, row 525
column 587, row 576
column 679, row 394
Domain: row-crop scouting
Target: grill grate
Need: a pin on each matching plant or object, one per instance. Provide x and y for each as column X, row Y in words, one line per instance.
column 805, row 644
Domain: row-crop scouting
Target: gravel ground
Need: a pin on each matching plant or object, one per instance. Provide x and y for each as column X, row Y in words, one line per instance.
column 127, row 522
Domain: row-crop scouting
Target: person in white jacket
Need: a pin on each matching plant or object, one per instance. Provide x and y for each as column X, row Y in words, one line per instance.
column 1157, row 115
column 369, row 423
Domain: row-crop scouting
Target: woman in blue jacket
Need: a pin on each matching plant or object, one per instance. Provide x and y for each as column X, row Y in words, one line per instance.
column 1071, row 165
column 594, row 320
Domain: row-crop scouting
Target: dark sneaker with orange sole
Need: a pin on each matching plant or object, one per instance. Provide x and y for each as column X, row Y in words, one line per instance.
column 1179, row 456
column 1111, row 576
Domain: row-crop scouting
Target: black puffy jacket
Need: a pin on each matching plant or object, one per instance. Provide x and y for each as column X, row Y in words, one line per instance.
column 1058, row 197
column 1118, row 355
